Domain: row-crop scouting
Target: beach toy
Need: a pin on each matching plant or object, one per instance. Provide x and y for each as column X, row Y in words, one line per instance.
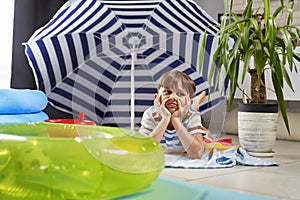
column 22, row 101
column 227, row 141
column 220, row 144
column 70, row 132
column 108, row 162
column 22, row 106
column 23, row 118
column 80, row 120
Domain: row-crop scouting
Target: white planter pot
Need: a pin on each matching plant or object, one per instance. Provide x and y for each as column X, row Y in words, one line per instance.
column 257, row 126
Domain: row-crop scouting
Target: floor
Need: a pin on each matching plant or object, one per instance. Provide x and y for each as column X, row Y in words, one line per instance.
column 277, row 182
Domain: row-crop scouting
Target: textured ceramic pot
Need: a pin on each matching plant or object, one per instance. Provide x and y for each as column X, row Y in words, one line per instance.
column 257, row 126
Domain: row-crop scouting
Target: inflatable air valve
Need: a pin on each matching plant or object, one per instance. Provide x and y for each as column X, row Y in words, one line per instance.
column 81, row 117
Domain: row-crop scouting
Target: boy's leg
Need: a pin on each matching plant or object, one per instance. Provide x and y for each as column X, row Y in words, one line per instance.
column 197, row 100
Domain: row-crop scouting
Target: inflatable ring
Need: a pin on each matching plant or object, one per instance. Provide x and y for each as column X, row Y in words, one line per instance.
column 101, row 163
column 23, row 118
column 22, row 101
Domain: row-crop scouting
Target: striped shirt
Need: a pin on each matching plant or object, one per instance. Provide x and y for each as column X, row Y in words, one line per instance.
column 170, row 141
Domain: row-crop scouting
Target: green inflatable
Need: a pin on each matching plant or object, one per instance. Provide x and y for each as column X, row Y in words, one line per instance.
column 67, row 161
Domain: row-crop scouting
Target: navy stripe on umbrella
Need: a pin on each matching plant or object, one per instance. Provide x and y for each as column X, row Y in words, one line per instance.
column 103, row 58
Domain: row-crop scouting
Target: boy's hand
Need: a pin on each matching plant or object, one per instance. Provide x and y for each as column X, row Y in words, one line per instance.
column 182, row 109
column 160, row 106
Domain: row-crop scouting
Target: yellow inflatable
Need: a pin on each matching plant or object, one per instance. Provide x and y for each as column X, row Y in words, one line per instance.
column 40, row 161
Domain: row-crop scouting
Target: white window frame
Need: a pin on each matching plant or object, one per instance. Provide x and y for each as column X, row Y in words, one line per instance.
column 6, row 41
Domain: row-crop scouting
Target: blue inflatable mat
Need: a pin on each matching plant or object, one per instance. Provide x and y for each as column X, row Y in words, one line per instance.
column 22, row 101
column 166, row 188
column 23, row 118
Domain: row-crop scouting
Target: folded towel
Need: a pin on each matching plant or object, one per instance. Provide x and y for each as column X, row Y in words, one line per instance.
column 23, row 118
column 218, row 159
column 22, row 101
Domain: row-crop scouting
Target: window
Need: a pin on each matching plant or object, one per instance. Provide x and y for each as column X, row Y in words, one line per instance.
column 6, row 41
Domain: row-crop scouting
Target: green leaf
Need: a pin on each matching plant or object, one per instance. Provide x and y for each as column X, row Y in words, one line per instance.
column 248, row 10
column 287, row 79
column 247, row 60
column 255, row 25
column 271, row 45
column 202, row 52
column 288, row 45
column 278, row 10
column 266, row 9
column 245, row 37
column 276, row 66
column 213, row 66
column 258, row 57
column 280, row 99
column 272, row 31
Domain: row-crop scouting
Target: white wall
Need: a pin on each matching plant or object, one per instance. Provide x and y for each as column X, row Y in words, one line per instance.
column 6, row 39
column 212, row 7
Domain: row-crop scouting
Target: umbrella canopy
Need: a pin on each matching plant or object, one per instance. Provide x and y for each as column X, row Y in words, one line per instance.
column 103, row 58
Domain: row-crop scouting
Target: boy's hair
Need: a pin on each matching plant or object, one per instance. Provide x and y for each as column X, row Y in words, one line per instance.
column 172, row 78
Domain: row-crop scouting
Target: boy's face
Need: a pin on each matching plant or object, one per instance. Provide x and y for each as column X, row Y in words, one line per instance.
column 172, row 97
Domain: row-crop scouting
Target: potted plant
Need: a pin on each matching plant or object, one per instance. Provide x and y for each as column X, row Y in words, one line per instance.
column 256, row 36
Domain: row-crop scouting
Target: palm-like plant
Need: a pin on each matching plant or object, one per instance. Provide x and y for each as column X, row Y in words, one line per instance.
column 271, row 46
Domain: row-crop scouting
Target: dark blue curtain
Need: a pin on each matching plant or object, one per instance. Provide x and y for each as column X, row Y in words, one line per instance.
column 29, row 16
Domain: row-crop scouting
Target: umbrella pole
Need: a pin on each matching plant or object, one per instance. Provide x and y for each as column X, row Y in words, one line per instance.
column 132, row 114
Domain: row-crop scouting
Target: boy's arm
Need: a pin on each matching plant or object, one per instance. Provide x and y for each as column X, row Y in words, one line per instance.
column 193, row 144
column 149, row 127
column 158, row 131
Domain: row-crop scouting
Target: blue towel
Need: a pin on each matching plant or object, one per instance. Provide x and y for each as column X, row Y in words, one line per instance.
column 219, row 159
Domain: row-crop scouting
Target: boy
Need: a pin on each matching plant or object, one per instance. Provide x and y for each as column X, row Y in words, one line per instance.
column 172, row 121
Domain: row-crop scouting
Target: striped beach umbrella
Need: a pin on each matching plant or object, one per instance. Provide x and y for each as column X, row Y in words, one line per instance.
column 104, row 58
